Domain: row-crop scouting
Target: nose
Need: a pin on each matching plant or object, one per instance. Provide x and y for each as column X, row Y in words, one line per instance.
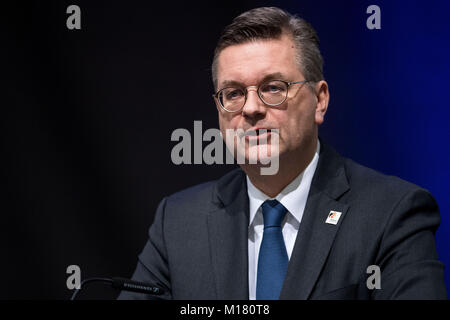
column 253, row 106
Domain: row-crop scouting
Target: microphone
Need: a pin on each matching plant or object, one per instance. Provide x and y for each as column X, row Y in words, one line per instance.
column 122, row 284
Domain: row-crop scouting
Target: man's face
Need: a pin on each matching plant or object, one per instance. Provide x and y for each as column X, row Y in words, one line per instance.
column 251, row 63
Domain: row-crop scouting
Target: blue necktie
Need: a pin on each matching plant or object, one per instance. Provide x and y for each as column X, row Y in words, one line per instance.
column 273, row 259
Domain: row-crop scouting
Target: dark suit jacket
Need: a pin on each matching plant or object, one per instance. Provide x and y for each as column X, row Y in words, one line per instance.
column 198, row 242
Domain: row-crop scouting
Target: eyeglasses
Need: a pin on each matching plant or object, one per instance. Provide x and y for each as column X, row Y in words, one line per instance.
column 272, row 93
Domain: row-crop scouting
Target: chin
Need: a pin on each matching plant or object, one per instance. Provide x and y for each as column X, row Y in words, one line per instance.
column 261, row 154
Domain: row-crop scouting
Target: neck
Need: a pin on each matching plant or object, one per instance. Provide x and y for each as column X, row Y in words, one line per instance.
column 290, row 167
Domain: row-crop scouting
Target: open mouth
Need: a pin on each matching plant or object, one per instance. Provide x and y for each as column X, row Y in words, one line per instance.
column 258, row 134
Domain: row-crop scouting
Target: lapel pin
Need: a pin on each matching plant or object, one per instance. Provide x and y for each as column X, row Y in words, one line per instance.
column 333, row 217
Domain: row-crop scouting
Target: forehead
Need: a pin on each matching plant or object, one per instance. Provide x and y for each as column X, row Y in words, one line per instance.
column 249, row 62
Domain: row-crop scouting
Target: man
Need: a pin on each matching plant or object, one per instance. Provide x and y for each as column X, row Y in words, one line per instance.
column 314, row 228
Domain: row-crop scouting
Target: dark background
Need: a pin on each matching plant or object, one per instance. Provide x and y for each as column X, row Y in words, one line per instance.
column 88, row 115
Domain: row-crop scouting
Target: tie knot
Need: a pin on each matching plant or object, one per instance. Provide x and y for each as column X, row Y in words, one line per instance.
column 273, row 212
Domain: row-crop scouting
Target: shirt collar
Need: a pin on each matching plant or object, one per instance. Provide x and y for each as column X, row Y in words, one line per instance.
column 293, row 197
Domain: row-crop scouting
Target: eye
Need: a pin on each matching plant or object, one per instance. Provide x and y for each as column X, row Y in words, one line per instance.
column 233, row 94
column 272, row 88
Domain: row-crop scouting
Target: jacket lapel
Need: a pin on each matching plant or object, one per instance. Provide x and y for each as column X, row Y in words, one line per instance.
column 315, row 237
column 228, row 236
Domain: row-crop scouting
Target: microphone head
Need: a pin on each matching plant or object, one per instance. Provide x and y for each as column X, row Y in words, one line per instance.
column 134, row 286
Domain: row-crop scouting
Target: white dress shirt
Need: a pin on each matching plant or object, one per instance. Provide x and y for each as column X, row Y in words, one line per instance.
column 293, row 198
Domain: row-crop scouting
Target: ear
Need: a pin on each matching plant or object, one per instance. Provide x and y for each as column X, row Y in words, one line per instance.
column 323, row 98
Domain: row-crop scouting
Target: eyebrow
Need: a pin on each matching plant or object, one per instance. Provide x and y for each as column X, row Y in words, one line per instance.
column 234, row 83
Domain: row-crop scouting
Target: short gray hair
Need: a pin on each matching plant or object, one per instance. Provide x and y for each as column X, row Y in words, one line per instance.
column 271, row 23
